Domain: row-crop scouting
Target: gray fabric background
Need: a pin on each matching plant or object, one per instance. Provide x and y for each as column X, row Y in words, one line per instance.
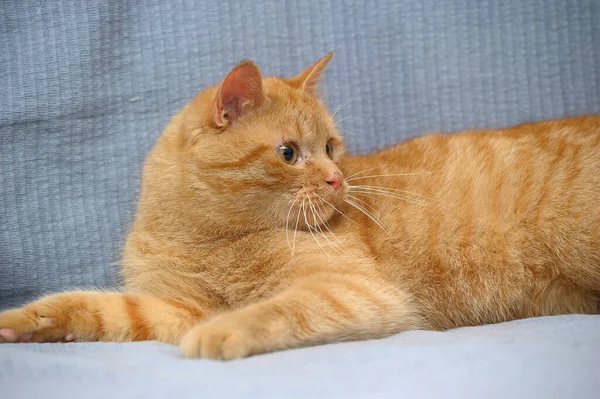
column 86, row 87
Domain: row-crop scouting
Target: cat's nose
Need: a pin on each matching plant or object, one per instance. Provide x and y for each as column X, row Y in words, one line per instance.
column 335, row 180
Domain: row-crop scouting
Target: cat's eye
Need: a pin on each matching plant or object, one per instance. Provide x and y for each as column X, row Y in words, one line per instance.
column 329, row 150
column 288, row 153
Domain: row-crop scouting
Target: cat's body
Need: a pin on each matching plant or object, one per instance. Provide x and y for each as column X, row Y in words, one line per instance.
column 238, row 250
column 511, row 228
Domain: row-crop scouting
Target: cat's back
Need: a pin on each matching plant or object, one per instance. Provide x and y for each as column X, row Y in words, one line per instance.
column 513, row 171
column 538, row 172
column 494, row 224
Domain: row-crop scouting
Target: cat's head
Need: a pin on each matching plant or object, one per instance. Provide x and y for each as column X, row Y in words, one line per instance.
column 263, row 151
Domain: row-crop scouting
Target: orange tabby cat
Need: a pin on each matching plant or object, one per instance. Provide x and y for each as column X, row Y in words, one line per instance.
column 255, row 233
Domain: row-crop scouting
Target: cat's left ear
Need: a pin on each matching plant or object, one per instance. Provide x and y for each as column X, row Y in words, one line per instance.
column 239, row 93
column 307, row 79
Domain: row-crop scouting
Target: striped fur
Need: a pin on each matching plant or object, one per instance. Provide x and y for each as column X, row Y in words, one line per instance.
column 234, row 252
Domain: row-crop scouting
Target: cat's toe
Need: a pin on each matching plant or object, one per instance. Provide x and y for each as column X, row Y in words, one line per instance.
column 212, row 341
column 27, row 325
column 14, row 324
column 8, row 335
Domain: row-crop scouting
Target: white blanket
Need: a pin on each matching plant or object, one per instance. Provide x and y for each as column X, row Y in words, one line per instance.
column 551, row 357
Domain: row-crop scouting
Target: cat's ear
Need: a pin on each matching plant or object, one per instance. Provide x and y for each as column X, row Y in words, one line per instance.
column 240, row 92
column 307, row 79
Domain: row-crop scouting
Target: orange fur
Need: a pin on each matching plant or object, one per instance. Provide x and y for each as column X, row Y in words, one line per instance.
column 234, row 252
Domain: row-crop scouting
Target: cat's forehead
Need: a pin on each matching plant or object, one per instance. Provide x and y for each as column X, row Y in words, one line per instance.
column 301, row 114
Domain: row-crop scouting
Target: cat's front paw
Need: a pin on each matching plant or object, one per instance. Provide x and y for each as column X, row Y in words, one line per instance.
column 16, row 326
column 222, row 338
column 34, row 322
column 20, row 325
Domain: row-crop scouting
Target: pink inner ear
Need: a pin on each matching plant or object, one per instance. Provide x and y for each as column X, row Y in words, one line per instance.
column 240, row 92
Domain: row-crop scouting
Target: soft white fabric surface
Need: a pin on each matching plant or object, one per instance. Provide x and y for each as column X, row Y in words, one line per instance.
column 552, row 357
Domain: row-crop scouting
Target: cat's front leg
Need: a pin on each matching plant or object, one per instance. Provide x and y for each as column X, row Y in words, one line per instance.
column 99, row 316
column 315, row 310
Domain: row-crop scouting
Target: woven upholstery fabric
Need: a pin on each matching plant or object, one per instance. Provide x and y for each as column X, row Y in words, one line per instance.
column 87, row 86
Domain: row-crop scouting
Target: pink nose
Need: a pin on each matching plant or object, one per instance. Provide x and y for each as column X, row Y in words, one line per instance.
column 335, row 181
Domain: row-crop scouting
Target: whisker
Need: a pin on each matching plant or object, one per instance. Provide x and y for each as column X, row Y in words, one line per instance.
column 287, row 221
column 296, row 228
column 310, row 230
column 366, row 170
column 314, row 214
column 367, row 213
column 346, row 132
column 394, row 190
column 342, row 105
column 338, row 211
column 356, row 117
column 389, row 175
column 37, row 13
column 365, row 204
column 388, row 191
column 356, row 189
column 316, row 237
column 320, row 230
column 336, row 240
column 393, row 195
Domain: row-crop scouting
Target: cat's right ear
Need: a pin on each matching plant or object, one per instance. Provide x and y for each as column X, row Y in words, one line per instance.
column 239, row 93
column 307, row 79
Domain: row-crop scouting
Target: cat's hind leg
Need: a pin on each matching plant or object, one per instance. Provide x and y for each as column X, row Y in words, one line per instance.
column 99, row 316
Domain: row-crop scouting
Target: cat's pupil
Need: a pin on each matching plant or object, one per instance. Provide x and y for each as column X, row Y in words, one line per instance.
column 288, row 153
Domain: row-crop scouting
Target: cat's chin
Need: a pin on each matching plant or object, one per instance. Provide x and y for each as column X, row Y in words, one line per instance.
column 312, row 213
